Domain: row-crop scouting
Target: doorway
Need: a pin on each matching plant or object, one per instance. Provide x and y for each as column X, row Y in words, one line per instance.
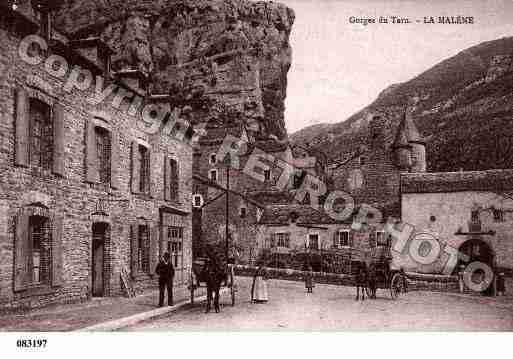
column 98, row 254
column 478, row 251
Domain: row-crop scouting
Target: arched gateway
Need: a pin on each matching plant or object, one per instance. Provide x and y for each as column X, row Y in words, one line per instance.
column 477, row 250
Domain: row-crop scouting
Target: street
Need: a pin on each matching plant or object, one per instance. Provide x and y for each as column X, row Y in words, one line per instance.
column 334, row 308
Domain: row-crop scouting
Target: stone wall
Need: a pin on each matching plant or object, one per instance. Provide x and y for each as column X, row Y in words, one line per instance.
column 445, row 214
column 70, row 196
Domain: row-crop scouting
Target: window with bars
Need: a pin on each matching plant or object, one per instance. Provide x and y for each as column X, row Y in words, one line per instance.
column 281, row 240
column 39, row 259
column 103, row 145
column 498, row 215
column 341, row 239
column 313, row 241
column 144, row 171
column 382, row 239
column 173, row 179
column 267, row 175
column 41, row 134
column 143, row 255
column 175, row 246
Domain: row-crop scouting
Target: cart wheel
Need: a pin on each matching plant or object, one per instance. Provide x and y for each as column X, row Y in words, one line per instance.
column 396, row 285
column 232, row 287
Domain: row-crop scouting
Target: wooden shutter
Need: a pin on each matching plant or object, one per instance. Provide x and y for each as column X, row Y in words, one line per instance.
column 167, row 179
column 92, row 170
column 21, row 151
column 154, row 243
column 114, row 160
column 136, row 167
column 58, row 140
column 153, row 178
column 134, row 247
column 335, row 239
column 174, row 180
column 351, row 239
column 57, row 252
column 21, row 252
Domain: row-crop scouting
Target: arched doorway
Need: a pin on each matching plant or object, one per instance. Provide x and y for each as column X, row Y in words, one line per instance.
column 477, row 251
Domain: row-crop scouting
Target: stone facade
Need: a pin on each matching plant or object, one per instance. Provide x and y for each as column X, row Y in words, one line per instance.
column 443, row 204
column 72, row 193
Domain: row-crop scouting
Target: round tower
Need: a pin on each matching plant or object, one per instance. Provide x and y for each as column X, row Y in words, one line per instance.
column 409, row 146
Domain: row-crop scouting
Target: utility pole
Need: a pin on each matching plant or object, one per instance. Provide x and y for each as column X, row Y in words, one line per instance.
column 227, row 209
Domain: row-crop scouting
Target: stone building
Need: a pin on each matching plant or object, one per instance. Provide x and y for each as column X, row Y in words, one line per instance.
column 471, row 212
column 87, row 196
column 371, row 173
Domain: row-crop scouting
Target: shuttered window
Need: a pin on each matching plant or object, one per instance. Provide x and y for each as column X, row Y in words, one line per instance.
column 144, row 170
column 143, row 249
column 41, row 134
column 38, row 255
column 173, row 190
column 103, row 147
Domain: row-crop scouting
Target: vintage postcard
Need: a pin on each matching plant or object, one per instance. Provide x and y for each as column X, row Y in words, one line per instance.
column 242, row 166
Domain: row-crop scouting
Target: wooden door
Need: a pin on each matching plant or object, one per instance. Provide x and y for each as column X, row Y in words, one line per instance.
column 97, row 263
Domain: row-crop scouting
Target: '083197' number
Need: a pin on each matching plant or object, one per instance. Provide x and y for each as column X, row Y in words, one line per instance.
column 31, row 343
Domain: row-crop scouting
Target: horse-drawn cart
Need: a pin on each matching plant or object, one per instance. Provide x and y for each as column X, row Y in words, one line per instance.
column 200, row 277
column 374, row 271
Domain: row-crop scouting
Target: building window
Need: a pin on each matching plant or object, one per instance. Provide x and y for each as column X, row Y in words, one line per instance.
column 39, row 260
column 313, row 241
column 41, row 134
column 243, row 212
column 267, row 175
column 175, row 247
column 197, row 200
column 382, row 239
column 281, row 240
column 173, row 179
column 474, row 216
column 498, row 215
column 103, row 145
column 144, row 170
column 143, row 254
column 362, row 160
column 341, row 239
column 213, row 175
column 213, row 159
column 298, row 179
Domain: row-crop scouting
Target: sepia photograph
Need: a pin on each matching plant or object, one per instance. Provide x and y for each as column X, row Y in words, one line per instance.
column 243, row 166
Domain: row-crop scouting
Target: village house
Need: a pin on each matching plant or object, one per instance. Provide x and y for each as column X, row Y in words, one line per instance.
column 471, row 212
column 88, row 200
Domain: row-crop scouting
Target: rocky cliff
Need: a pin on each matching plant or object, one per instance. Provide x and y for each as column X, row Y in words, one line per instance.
column 463, row 104
column 206, row 54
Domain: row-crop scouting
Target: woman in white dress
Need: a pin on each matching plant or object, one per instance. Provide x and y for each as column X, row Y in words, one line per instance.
column 259, row 286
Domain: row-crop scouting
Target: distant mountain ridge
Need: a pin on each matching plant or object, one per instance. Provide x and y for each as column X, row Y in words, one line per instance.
column 464, row 104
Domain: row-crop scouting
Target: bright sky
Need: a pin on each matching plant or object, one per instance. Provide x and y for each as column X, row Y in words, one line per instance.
column 339, row 67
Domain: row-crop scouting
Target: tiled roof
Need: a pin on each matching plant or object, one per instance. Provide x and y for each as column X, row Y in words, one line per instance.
column 271, row 145
column 217, row 134
column 491, row 180
column 272, row 196
column 282, row 214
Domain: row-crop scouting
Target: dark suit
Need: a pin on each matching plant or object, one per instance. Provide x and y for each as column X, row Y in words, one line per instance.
column 166, row 272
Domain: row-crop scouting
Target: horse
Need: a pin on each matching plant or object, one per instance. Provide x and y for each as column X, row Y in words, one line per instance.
column 213, row 275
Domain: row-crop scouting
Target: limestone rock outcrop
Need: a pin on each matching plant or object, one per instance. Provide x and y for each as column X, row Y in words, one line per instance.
column 207, row 54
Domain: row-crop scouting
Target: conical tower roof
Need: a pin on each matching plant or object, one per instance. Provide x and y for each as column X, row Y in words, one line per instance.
column 407, row 133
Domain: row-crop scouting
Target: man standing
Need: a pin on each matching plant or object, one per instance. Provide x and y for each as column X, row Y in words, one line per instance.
column 166, row 272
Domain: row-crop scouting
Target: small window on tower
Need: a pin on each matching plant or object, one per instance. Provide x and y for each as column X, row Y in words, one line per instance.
column 213, row 159
column 267, row 175
column 243, row 212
